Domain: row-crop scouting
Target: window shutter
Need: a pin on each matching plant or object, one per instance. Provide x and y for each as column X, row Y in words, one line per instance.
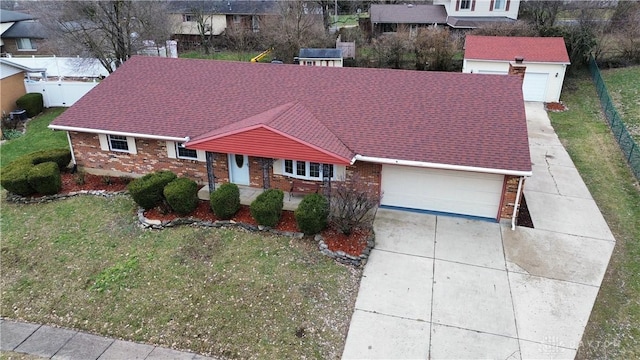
column 131, row 142
column 171, row 150
column 506, row 8
column 457, row 5
column 491, row 5
column 473, row 5
column 104, row 142
column 340, row 172
column 202, row 155
column 278, row 165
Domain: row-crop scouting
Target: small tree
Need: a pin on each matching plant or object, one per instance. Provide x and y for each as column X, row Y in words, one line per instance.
column 434, row 49
column 352, row 204
column 390, row 49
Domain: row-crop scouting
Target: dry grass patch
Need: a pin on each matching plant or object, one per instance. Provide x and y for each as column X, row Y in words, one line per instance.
column 84, row 263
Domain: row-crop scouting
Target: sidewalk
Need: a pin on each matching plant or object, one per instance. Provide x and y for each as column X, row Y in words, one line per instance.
column 59, row 343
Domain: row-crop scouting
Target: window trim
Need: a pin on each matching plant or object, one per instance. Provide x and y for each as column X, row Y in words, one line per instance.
column 31, row 47
column 181, row 146
column 307, row 172
column 462, row 2
column 502, row 8
column 120, row 139
column 172, row 153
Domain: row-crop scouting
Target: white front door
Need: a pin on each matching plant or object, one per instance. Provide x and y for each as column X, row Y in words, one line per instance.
column 239, row 169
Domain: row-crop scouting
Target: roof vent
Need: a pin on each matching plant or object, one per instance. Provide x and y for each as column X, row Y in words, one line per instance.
column 519, row 59
column 410, row 5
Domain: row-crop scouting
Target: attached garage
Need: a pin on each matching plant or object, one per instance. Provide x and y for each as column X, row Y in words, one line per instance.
column 545, row 60
column 446, row 191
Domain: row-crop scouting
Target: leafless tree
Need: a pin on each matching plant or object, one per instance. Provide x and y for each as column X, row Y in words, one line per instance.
column 542, row 14
column 295, row 27
column 516, row 28
column 240, row 39
column 390, row 49
column 434, row 48
column 352, row 203
column 111, row 31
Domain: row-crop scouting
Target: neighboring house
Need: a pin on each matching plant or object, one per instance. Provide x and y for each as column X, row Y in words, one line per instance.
column 21, row 34
column 263, row 125
column 320, row 57
column 217, row 16
column 459, row 14
column 12, row 77
column 545, row 58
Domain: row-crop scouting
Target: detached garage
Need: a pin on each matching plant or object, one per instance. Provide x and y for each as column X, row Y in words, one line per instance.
column 545, row 59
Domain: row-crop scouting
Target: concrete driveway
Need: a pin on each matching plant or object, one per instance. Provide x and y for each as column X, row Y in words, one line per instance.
column 440, row 287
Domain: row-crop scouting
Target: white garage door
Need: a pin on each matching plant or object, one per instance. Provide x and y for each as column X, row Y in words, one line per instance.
column 457, row 192
column 534, row 87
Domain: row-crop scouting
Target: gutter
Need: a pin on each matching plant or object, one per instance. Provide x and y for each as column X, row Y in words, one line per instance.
column 119, row 133
column 516, row 204
column 439, row 166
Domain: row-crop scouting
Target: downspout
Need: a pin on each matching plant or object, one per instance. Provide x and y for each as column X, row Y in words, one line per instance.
column 73, row 156
column 516, row 205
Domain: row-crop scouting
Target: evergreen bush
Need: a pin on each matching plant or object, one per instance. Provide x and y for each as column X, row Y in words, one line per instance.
column 225, row 202
column 312, row 214
column 266, row 209
column 182, row 195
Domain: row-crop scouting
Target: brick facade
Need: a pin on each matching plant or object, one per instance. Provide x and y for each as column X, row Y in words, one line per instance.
column 509, row 196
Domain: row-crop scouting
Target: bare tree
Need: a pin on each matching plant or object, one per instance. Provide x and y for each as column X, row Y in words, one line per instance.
column 240, row 39
column 390, row 49
column 434, row 48
column 542, row 14
column 516, row 28
column 205, row 29
column 111, row 31
column 352, row 204
column 295, row 27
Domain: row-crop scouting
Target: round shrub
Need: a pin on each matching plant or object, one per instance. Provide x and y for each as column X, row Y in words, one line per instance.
column 45, row 178
column 147, row 191
column 182, row 195
column 33, row 103
column 267, row 207
column 225, row 201
column 312, row 213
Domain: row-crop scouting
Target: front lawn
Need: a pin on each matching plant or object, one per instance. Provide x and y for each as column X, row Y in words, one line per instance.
column 613, row 331
column 84, row 263
column 624, row 87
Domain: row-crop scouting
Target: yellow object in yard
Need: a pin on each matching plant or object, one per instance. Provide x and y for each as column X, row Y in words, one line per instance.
column 261, row 55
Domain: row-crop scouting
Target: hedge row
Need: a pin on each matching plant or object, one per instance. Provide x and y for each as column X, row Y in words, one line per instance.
column 148, row 191
column 20, row 177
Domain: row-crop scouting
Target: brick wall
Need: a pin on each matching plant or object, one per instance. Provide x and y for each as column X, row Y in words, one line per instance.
column 509, row 196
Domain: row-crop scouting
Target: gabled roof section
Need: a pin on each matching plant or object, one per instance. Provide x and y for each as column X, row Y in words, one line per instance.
column 407, row 14
column 290, row 124
column 433, row 117
column 13, row 16
column 507, row 48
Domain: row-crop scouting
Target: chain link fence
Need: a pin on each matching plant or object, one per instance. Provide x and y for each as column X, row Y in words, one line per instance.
column 626, row 142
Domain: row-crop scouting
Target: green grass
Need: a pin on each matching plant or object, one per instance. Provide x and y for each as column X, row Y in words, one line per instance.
column 347, row 20
column 84, row 263
column 221, row 55
column 613, row 331
column 624, row 87
column 37, row 137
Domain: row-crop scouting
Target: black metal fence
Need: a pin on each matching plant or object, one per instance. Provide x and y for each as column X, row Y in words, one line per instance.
column 626, row 142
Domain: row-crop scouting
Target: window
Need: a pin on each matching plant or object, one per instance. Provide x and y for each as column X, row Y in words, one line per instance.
column 118, row 143
column 25, row 44
column 465, row 4
column 188, row 17
column 184, row 153
column 308, row 63
column 499, row 4
column 237, row 19
column 307, row 170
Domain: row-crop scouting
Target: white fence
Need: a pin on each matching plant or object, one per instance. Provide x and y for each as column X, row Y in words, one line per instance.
column 59, row 93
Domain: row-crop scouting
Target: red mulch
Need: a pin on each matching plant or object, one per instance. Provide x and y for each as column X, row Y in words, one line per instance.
column 555, row 107
column 352, row 245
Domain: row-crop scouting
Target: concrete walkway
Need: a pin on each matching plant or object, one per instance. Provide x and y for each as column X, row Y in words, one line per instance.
column 449, row 288
column 59, row 343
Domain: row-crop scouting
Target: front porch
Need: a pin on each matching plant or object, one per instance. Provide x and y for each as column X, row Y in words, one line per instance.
column 248, row 194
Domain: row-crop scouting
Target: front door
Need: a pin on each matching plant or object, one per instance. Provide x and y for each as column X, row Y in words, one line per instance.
column 239, row 169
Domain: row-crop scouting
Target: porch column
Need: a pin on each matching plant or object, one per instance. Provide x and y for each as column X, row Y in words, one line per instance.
column 267, row 164
column 326, row 180
column 210, row 177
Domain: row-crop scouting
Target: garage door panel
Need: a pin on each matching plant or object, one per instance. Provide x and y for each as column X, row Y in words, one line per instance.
column 534, row 86
column 448, row 191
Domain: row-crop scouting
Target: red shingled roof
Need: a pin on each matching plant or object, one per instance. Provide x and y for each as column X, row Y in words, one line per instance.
column 532, row 49
column 444, row 118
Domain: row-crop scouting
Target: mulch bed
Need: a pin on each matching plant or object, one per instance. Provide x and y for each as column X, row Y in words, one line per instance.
column 353, row 244
column 555, row 107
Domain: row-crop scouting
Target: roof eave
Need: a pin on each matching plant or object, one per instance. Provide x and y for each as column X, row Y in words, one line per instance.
column 431, row 165
column 524, row 62
column 119, row 133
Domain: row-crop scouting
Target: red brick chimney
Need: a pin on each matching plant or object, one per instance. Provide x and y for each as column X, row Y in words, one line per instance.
column 517, row 68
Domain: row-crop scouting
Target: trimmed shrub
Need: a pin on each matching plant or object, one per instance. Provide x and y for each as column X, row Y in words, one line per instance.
column 225, row 201
column 147, row 191
column 15, row 176
column 62, row 157
column 182, row 195
column 45, row 178
column 32, row 103
column 267, row 207
column 312, row 213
